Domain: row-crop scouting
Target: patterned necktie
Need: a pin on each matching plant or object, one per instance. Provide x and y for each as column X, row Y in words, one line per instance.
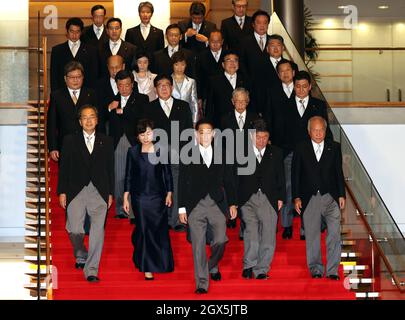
column 171, row 52
column 318, row 152
column 302, row 108
column 89, row 145
column 74, row 97
column 114, row 46
column 74, row 48
column 144, row 30
column 167, row 109
column 205, row 157
column 261, row 43
column 241, row 23
column 98, row 32
column 216, row 56
column 231, row 81
column 241, row 123
column 259, row 156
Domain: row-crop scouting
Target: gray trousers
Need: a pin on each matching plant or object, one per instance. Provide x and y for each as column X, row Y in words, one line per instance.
column 287, row 213
column 322, row 206
column 174, row 210
column 259, row 237
column 120, row 162
column 88, row 200
column 207, row 215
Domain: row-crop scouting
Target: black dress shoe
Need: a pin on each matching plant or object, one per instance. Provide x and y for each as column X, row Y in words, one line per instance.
column 121, row 216
column 79, row 265
column 287, row 233
column 302, row 237
column 316, row 276
column 231, row 224
column 247, row 273
column 200, row 291
column 132, row 221
column 333, row 277
column 262, row 276
column 93, row 279
column 216, row 276
column 179, row 228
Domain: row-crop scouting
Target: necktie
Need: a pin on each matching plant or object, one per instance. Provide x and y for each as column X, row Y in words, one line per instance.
column 171, row 52
column 74, row 49
column 241, row 122
column 124, row 102
column 205, row 157
column 318, row 152
column 74, row 97
column 259, row 156
column 89, row 144
column 114, row 46
column 241, row 23
column 302, row 108
column 231, row 81
column 167, row 109
column 261, row 42
column 143, row 30
column 216, row 56
column 98, row 32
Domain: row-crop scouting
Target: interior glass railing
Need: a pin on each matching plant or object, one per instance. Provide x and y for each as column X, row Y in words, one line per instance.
column 366, row 222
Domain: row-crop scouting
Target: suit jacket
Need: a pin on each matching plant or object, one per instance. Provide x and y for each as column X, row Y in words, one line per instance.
column 308, row 175
column 268, row 176
column 192, row 44
column 295, row 128
column 105, row 95
column 180, row 112
column 220, row 94
column 61, row 55
column 187, row 92
column 154, row 42
column 207, row 67
column 127, row 51
column 232, row 32
column 196, row 181
column 126, row 122
column 62, row 115
column 78, row 167
column 162, row 63
column 88, row 36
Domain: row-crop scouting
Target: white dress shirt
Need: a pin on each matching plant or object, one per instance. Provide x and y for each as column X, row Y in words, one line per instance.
column 114, row 86
column 171, row 50
column 305, row 102
column 89, row 140
column 114, row 49
column 288, row 88
column 238, row 115
column 257, row 153
column 206, row 154
column 163, row 103
column 95, row 28
column 145, row 29
column 231, row 79
column 274, row 62
column 238, row 21
column 77, row 91
column 74, row 47
column 264, row 37
column 124, row 101
column 318, row 149
column 216, row 55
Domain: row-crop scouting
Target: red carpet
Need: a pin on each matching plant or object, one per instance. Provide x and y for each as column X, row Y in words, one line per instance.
column 289, row 277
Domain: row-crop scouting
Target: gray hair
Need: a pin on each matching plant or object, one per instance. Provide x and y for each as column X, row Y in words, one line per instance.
column 240, row 90
column 315, row 118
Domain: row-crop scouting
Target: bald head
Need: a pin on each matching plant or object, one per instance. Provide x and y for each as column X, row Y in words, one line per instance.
column 317, row 129
column 115, row 64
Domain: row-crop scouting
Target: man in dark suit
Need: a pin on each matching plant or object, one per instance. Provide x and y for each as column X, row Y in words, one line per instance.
column 319, row 191
column 201, row 192
column 145, row 36
column 96, row 34
column 73, row 50
column 261, row 195
column 196, row 30
column 63, row 107
column 219, row 99
column 235, row 28
column 300, row 108
column 124, row 115
column 167, row 112
column 209, row 63
column 116, row 46
column 254, row 59
column 86, row 184
column 162, row 59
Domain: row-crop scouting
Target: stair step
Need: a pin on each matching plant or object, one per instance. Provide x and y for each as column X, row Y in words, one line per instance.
column 348, row 242
column 34, row 222
column 361, row 280
column 35, row 189
column 34, row 286
column 34, row 258
column 30, row 211
column 356, row 267
column 35, row 179
column 35, row 245
column 350, row 255
column 35, row 200
column 34, row 159
column 35, row 234
column 366, row 295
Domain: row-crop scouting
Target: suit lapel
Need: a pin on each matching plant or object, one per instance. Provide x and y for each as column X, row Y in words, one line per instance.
column 83, row 148
column 69, row 98
column 68, row 51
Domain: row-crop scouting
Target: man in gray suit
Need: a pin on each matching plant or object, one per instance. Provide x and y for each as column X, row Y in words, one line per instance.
column 86, row 183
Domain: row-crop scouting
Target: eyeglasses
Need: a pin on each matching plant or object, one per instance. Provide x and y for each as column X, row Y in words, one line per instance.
column 231, row 60
column 88, row 118
column 74, row 77
column 160, row 86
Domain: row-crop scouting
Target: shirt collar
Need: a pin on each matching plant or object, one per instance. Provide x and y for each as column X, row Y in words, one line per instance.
column 145, row 25
column 95, row 28
column 315, row 145
column 274, row 60
column 118, row 42
column 238, row 18
column 305, row 100
column 77, row 92
column 91, row 136
column 228, row 76
column 257, row 36
column 170, row 101
column 176, row 48
column 202, row 149
column 70, row 42
column 237, row 114
column 256, row 151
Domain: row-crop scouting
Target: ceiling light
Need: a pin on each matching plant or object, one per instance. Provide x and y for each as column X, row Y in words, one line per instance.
column 383, row 7
column 342, row 7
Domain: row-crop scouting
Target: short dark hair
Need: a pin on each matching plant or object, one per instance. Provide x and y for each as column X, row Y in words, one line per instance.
column 197, row 8
column 124, row 74
column 162, row 76
column 114, row 20
column 146, row 4
column 275, row 37
column 74, row 22
column 140, row 54
column 143, row 125
column 72, row 66
column 228, row 53
column 260, row 13
column 98, row 7
column 172, row 26
column 285, row 61
column 302, row 75
column 204, row 121
column 260, row 125
column 178, row 56
column 86, row 106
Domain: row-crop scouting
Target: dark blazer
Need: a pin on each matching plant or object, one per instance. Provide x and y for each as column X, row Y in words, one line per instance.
column 232, row 32
column 229, row 121
column 296, row 128
column 308, row 175
column 62, row 115
column 180, row 112
column 162, row 63
column 207, row 67
column 105, row 95
column 88, row 36
column 78, row 167
column 61, row 55
column 192, row 44
column 154, row 42
column 127, row 51
column 220, row 94
column 126, row 122
column 196, row 181
column 268, row 176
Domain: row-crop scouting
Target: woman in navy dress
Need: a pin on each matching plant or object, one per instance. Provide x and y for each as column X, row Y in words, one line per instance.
column 150, row 186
